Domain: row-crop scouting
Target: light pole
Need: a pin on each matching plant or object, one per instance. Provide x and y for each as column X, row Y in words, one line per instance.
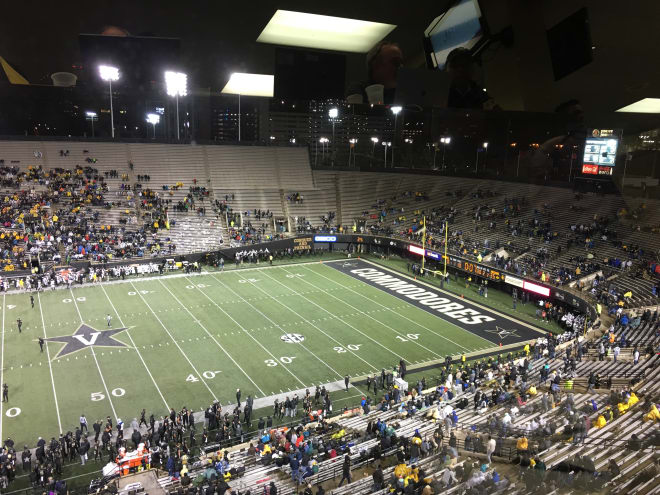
column 385, row 145
column 352, row 142
column 92, row 116
column 333, row 113
column 445, row 141
column 409, row 141
column 395, row 110
column 485, row 155
column 153, row 119
column 374, row 140
column 110, row 74
column 323, row 141
column 177, row 85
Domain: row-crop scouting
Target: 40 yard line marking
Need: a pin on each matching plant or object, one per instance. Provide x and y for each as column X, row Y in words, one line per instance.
column 98, row 367
column 246, row 332
column 50, row 365
column 196, row 320
column 174, row 340
column 167, row 407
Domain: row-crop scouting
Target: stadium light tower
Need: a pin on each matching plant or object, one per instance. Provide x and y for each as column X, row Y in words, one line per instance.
column 153, row 119
column 92, row 116
column 177, row 85
column 110, row 74
column 333, row 113
column 395, row 110
column 445, row 141
column 351, row 145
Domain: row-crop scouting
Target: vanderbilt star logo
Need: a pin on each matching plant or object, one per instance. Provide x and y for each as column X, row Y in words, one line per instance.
column 502, row 333
column 87, row 336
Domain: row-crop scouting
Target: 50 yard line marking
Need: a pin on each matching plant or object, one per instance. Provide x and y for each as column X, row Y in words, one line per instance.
column 196, row 320
column 50, row 366
column 167, row 407
column 98, row 367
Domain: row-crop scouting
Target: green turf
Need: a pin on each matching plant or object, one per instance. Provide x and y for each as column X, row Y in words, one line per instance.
column 194, row 339
column 496, row 299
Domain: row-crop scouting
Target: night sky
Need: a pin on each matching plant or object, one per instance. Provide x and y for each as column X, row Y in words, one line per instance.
column 218, row 37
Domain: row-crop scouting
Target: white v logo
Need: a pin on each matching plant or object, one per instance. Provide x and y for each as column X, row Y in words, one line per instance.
column 84, row 341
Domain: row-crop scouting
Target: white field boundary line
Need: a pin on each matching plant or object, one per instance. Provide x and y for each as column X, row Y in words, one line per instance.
column 2, row 360
column 138, row 278
column 50, row 365
column 490, row 344
column 374, row 319
column 196, row 320
column 279, row 327
column 338, row 318
column 175, row 342
column 128, row 332
column 247, row 332
column 98, row 367
column 485, row 308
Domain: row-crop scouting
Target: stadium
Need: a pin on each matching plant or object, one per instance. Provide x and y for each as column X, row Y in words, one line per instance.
column 293, row 284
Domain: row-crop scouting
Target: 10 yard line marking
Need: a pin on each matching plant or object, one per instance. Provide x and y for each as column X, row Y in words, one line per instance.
column 136, row 349
column 174, row 340
column 246, row 332
column 50, row 365
column 98, row 367
column 402, row 316
column 196, row 320
column 345, row 323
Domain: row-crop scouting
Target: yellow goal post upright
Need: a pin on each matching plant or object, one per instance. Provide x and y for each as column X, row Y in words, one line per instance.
column 443, row 272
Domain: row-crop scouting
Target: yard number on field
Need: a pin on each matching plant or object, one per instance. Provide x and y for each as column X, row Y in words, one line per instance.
column 350, row 347
column 411, row 336
column 284, row 360
column 247, row 280
column 79, row 299
column 13, row 412
column 198, row 286
column 97, row 396
column 294, row 275
column 207, row 374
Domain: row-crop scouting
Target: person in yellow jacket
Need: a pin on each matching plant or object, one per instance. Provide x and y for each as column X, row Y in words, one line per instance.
column 522, row 444
column 600, row 422
column 653, row 414
column 632, row 400
column 401, row 471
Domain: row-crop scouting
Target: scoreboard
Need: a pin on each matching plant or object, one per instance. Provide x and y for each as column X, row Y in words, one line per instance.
column 600, row 150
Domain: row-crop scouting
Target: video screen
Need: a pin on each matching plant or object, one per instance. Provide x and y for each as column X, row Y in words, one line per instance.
column 460, row 26
column 600, row 151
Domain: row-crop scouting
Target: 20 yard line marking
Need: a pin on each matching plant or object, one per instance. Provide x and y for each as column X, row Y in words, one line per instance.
column 50, row 365
column 247, row 333
column 212, row 337
column 167, row 407
column 390, row 309
column 98, row 367
column 339, row 319
column 173, row 340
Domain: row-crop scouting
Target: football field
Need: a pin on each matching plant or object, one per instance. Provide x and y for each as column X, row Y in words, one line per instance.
column 187, row 340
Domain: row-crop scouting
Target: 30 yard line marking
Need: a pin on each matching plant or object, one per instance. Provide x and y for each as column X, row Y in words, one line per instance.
column 247, row 333
column 50, row 365
column 2, row 359
column 196, row 320
column 390, row 309
column 98, row 367
column 347, row 324
column 174, row 340
column 167, row 407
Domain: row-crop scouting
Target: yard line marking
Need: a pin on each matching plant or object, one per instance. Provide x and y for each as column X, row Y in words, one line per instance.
column 391, row 310
column 247, row 333
column 332, row 316
column 173, row 340
column 304, row 319
column 50, row 365
column 310, row 323
column 2, row 358
column 212, row 337
column 98, row 367
column 128, row 332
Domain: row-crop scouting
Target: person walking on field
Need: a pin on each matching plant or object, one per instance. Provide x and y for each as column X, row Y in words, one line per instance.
column 5, row 393
column 108, row 318
column 347, row 380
